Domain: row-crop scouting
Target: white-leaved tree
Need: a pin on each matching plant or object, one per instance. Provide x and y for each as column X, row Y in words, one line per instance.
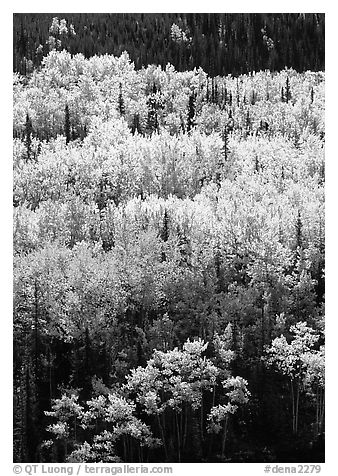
column 106, row 423
column 303, row 365
column 174, row 385
column 170, row 393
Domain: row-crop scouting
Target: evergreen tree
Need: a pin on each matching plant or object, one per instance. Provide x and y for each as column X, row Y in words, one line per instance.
column 287, row 90
column 191, row 113
column 256, row 163
column 165, row 232
column 248, row 122
column 225, row 95
column 67, row 125
column 136, row 126
column 28, row 137
column 299, row 233
column 230, row 99
column 121, row 101
column 225, row 137
column 216, row 92
column 213, row 90
column 152, row 121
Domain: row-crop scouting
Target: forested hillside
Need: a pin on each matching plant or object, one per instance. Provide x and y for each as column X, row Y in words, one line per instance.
column 169, row 262
column 221, row 43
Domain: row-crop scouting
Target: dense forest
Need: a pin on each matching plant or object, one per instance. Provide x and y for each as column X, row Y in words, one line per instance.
column 220, row 43
column 169, row 243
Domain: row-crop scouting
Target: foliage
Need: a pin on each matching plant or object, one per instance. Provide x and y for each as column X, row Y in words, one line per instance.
column 218, row 42
column 172, row 384
column 168, row 228
column 302, row 364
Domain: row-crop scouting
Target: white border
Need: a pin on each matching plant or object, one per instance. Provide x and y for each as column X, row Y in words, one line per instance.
column 6, row 255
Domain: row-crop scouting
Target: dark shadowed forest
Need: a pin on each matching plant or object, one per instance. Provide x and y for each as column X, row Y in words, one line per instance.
column 220, row 43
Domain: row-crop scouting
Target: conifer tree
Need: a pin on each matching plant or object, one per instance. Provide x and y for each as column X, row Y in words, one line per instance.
column 256, row 163
column 287, row 90
column 152, row 121
column 216, row 92
column 121, row 101
column 28, row 136
column 191, row 112
column 222, row 162
column 225, row 95
column 67, row 125
column 225, row 143
column 212, row 90
column 299, row 227
column 248, row 122
column 165, row 232
column 165, row 229
column 136, row 126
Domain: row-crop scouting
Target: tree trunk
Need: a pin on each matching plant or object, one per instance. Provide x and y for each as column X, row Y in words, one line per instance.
column 185, row 426
column 201, row 422
column 163, row 437
column 178, row 439
column 293, row 405
column 295, row 393
column 297, row 407
column 225, row 428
